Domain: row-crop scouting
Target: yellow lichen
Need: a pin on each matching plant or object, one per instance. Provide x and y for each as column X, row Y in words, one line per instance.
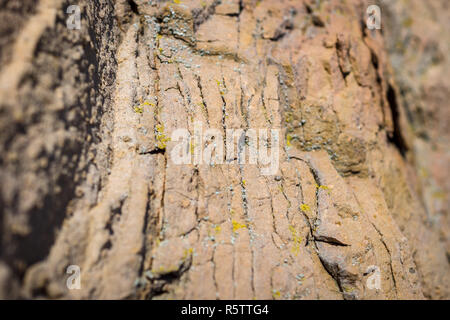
column 187, row 253
column 217, row 229
column 289, row 117
column 304, row 207
column 288, row 140
column 297, row 240
column 146, row 103
column 424, row 173
column 237, row 225
column 322, row 187
column 161, row 137
column 347, row 289
column 160, row 128
column 276, row 294
column 439, row 195
column 138, row 109
column 407, row 22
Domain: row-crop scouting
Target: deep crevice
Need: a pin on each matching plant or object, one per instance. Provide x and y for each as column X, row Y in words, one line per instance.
column 133, row 6
column 396, row 136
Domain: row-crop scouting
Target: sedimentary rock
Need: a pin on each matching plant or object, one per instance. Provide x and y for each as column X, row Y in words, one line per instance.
column 88, row 179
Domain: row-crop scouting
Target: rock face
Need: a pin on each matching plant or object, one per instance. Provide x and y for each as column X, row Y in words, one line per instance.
column 357, row 207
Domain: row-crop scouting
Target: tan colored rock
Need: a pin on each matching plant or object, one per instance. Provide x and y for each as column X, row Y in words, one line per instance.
column 357, row 207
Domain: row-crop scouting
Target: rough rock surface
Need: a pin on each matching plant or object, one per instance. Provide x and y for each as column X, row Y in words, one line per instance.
column 87, row 176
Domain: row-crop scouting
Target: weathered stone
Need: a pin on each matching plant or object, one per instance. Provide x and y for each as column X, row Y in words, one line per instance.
column 361, row 189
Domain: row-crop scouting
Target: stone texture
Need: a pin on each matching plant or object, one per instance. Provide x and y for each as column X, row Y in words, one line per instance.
column 88, row 179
